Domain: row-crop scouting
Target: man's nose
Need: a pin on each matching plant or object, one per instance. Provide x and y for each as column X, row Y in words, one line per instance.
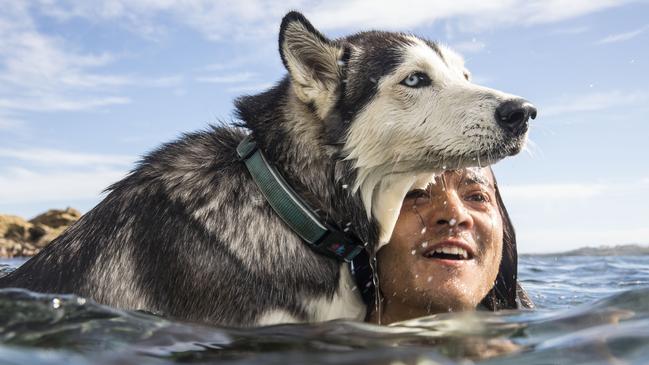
column 450, row 211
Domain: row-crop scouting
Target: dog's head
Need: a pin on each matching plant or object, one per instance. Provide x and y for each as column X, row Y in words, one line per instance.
column 400, row 107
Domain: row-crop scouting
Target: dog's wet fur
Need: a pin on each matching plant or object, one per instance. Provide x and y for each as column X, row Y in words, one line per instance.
column 189, row 235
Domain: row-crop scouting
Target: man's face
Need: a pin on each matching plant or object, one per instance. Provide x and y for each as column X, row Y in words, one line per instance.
column 446, row 248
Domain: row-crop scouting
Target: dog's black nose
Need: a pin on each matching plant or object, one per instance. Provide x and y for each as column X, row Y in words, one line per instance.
column 513, row 115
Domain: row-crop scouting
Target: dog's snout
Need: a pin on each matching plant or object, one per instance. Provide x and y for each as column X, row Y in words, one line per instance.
column 513, row 115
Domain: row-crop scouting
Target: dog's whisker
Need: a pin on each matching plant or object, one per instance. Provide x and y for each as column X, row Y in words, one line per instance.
column 544, row 128
column 532, row 148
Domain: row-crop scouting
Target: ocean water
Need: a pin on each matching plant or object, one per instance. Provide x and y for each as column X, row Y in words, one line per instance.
column 590, row 310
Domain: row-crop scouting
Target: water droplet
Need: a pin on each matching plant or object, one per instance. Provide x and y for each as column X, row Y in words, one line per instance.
column 372, row 80
column 81, row 301
column 345, row 186
column 375, row 281
column 56, row 303
column 348, row 224
column 341, row 63
column 430, row 278
column 423, row 230
column 413, row 252
column 424, row 244
column 452, row 222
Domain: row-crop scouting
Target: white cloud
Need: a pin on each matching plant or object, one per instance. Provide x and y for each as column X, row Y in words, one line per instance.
column 472, row 46
column 573, row 190
column 59, row 103
column 215, row 19
column 595, row 101
column 40, row 175
column 219, row 19
column 562, row 216
column 471, row 14
column 251, row 88
column 559, row 240
column 44, row 63
column 548, row 11
column 8, row 122
column 42, row 72
column 52, row 157
column 219, row 66
column 570, row 30
column 162, row 81
column 553, row 191
column 20, row 186
column 227, row 79
column 621, row 37
column 394, row 15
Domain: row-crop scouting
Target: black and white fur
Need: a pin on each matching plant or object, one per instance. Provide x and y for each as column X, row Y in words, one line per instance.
column 188, row 234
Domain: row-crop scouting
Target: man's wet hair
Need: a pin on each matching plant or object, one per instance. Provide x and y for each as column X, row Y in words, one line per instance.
column 506, row 292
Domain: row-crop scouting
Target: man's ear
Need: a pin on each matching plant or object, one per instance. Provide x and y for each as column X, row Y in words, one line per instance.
column 314, row 63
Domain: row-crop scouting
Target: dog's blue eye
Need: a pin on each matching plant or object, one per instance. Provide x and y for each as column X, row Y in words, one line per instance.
column 416, row 79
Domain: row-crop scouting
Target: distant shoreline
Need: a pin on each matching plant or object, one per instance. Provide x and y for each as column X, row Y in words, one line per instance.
column 22, row 239
column 617, row 250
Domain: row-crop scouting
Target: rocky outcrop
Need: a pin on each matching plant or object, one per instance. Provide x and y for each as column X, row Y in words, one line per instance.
column 19, row 237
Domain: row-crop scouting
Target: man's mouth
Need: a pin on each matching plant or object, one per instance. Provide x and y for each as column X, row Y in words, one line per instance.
column 450, row 250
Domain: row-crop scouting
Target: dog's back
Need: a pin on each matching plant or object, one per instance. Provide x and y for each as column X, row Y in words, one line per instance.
column 171, row 238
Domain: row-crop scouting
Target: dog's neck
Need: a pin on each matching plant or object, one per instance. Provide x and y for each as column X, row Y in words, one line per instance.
column 291, row 136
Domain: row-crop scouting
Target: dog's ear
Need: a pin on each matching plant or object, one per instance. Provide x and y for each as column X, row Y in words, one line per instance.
column 312, row 60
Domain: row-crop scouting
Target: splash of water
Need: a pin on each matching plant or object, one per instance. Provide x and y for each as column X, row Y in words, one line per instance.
column 378, row 307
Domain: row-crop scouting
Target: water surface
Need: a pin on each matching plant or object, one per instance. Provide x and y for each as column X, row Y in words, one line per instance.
column 591, row 310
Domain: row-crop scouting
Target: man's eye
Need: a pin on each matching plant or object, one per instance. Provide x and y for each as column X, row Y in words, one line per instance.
column 417, row 193
column 478, row 197
column 416, row 80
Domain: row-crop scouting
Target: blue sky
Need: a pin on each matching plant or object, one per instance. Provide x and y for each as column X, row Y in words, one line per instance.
column 87, row 87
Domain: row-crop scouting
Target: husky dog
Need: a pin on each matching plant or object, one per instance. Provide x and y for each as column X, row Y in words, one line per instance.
column 357, row 123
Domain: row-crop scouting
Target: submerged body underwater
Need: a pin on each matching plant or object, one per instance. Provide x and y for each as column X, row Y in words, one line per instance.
column 590, row 310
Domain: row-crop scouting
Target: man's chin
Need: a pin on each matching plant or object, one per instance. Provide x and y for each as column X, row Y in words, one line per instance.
column 449, row 300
